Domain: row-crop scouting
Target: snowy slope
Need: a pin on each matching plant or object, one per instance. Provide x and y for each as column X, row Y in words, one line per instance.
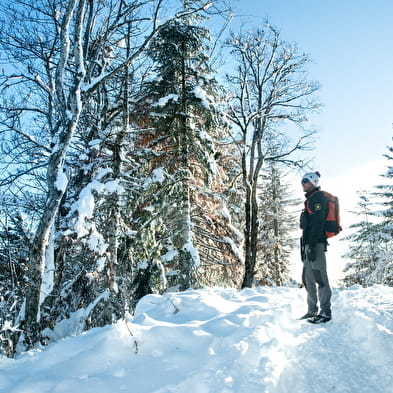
column 222, row 341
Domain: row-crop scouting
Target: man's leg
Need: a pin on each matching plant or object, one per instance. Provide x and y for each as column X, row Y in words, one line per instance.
column 321, row 278
column 309, row 283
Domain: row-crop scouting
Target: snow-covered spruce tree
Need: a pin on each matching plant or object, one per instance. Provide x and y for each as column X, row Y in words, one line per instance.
column 276, row 223
column 384, row 193
column 369, row 246
column 22, row 199
column 182, row 177
column 269, row 107
column 15, row 239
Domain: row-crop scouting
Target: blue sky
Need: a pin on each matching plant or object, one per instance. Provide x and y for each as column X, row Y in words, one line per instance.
column 351, row 44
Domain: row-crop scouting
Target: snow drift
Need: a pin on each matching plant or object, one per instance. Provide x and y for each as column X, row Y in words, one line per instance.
column 222, row 341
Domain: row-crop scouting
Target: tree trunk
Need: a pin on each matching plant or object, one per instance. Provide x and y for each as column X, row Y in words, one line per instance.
column 69, row 109
column 251, row 236
column 185, row 238
column 40, row 243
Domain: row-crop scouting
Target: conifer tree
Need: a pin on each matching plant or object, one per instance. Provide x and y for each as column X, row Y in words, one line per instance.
column 15, row 238
column 181, row 110
column 371, row 244
column 385, row 192
column 276, row 225
column 367, row 248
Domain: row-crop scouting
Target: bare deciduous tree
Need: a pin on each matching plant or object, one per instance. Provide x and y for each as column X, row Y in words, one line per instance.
column 269, row 107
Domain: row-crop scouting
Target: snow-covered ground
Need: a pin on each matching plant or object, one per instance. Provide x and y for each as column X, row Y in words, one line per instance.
column 222, row 341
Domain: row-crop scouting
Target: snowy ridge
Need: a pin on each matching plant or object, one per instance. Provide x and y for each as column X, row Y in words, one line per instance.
column 222, row 341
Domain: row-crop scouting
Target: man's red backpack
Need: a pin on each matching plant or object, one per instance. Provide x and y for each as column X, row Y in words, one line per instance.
column 332, row 221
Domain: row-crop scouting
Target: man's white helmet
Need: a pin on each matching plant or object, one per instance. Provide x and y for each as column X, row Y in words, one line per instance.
column 313, row 177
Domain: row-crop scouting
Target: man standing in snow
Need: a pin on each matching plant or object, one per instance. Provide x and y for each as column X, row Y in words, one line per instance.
column 313, row 247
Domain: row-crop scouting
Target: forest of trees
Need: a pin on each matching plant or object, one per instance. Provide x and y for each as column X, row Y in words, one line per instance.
column 143, row 151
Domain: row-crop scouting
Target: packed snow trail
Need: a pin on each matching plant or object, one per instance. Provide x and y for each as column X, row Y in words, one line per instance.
column 352, row 353
column 222, row 341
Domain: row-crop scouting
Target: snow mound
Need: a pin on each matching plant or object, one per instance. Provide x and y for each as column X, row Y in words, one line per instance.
column 222, row 341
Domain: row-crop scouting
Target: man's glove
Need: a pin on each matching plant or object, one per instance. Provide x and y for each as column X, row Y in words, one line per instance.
column 311, row 253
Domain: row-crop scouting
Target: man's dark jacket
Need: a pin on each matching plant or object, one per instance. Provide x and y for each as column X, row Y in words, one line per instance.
column 312, row 219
